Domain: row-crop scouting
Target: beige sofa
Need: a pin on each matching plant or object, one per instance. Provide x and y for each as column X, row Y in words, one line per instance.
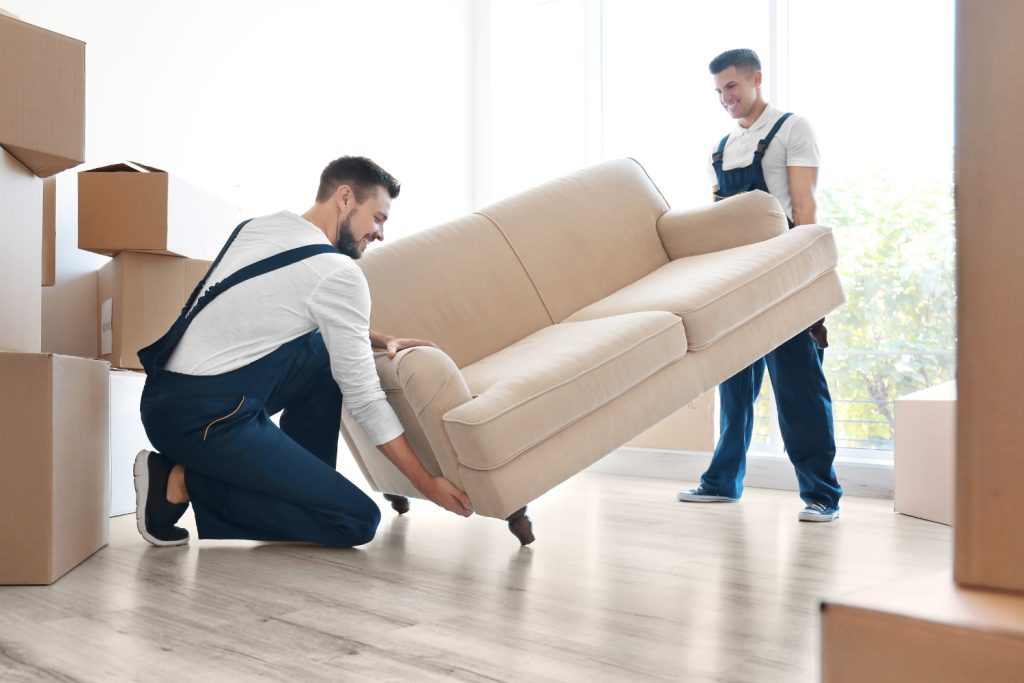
column 572, row 317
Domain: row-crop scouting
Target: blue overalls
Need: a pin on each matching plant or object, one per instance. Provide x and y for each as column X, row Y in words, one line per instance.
column 249, row 479
column 801, row 392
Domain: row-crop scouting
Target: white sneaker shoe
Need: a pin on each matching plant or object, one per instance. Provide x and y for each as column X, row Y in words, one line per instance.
column 702, row 495
column 818, row 512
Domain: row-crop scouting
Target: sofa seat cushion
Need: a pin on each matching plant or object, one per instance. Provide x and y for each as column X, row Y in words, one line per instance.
column 716, row 293
column 541, row 384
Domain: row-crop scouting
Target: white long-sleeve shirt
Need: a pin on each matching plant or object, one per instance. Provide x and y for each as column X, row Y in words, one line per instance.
column 326, row 292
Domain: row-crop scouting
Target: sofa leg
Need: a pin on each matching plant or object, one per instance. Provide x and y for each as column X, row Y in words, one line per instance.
column 521, row 526
column 400, row 504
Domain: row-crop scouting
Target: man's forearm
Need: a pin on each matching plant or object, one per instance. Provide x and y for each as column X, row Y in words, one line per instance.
column 805, row 214
column 401, row 455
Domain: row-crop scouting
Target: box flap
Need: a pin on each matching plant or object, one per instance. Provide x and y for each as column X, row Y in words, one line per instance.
column 125, row 167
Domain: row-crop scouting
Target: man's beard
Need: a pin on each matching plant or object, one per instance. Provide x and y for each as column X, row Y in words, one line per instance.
column 347, row 243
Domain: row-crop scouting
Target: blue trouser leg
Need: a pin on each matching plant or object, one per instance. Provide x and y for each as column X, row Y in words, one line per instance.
column 249, row 479
column 724, row 475
column 257, row 483
column 805, row 417
column 311, row 403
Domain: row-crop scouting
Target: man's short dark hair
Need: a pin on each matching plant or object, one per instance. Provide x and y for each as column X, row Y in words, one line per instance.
column 360, row 173
column 741, row 59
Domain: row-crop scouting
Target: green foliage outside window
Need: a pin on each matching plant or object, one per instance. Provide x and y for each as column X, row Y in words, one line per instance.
column 896, row 333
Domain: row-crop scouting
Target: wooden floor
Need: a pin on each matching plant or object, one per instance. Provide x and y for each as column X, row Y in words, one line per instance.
column 622, row 584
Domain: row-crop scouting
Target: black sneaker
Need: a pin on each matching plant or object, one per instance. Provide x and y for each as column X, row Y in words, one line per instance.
column 154, row 514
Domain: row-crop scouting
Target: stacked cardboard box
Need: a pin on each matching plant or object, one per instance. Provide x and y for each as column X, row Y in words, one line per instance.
column 160, row 231
column 162, row 234
column 53, row 409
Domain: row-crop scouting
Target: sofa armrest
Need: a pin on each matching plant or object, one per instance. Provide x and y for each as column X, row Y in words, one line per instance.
column 743, row 219
column 422, row 384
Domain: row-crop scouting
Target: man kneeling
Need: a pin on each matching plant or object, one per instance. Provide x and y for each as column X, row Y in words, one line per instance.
column 280, row 323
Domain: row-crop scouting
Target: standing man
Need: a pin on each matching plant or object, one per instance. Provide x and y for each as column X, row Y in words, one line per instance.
column 774, row 152
column 280, row 323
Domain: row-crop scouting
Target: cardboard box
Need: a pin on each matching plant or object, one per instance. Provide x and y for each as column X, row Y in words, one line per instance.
column 21, row 220
column 989, row 548
column 923, row 629
column 42, row 110
column 49, row 277
column 54, row 491
column 139, row 296
column 70, row 325
column 127, row 437
column 691, row 428
column 925, row 453
column 132, row 207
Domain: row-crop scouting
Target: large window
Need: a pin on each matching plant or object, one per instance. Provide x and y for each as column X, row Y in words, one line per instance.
column 602, row 79
column 880, row 95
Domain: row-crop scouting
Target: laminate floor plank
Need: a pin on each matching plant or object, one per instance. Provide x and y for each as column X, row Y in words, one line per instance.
column 622, row 584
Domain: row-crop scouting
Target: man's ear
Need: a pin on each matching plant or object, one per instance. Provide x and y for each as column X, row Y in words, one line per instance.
column 344, row 197
column 757, row 79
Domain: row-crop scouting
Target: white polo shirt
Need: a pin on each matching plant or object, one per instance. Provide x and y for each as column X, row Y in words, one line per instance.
column 326, row 292
column 793, row 145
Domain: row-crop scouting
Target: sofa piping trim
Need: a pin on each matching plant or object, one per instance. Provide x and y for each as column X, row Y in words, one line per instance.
column 793, row 256
column 768, row 308
column 739, row 286
column 586, row 371
column 565, row 426
column 749, row 281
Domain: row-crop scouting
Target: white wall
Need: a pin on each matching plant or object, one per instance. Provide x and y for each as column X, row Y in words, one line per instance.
column 249, row 99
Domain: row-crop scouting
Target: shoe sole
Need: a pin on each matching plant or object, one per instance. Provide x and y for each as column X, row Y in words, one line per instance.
column 141, row 479
column 817, row 518
column 687, row 498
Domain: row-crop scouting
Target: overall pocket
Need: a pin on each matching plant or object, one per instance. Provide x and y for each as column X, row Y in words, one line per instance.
column 223, row 419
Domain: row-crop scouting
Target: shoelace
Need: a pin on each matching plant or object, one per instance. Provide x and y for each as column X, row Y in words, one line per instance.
column 818, row 507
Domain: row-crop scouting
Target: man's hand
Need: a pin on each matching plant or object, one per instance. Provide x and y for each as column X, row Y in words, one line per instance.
column 446, row 494
column 396, row 344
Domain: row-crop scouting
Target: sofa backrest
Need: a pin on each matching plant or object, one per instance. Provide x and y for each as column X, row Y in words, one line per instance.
column 459, row 285
column 585, row 235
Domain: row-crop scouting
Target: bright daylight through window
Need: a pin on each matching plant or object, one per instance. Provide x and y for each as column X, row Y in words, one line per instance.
column 574, row 82
column 879, row 97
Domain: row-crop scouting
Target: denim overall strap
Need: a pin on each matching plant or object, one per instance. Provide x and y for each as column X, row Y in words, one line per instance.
column 716, row 158
column 261, row 267
column 149, row 355
column 216, row 262
column 155, row 356
column 767, row 140
column 749, row 177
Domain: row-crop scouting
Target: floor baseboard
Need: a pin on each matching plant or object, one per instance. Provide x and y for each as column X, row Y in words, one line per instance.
column 858, row 478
